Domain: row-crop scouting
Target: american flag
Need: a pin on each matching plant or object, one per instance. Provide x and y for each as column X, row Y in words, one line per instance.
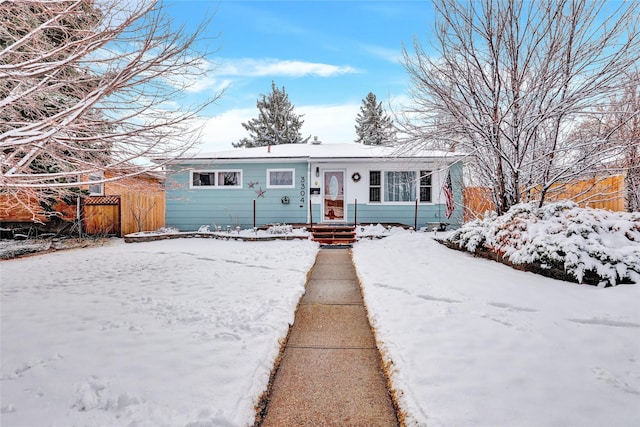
column 448, row 194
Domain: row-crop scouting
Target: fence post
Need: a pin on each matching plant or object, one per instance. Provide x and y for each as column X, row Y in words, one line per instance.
column 415, row 218
column 310, row 216
column 355, row 214
column 254, row 213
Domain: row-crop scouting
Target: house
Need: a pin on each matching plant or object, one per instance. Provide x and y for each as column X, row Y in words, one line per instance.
column 312, row 183
column 114, row 207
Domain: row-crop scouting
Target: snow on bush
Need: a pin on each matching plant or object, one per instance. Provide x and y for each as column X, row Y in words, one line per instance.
column 581, row 241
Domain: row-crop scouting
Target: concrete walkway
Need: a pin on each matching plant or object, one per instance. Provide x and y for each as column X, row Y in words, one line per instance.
column 330, row 373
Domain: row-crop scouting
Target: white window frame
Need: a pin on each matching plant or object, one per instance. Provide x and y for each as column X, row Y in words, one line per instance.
column 216, row 185
column 96, row 176
column 383, row 185
column 293, row 178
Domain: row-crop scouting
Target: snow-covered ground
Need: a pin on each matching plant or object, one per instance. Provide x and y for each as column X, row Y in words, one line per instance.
column 184, row 332
column 476, row 343
column 168, row 333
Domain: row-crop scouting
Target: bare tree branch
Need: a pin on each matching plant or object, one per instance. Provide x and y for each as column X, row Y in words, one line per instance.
column 88, row 86
column 510, row 81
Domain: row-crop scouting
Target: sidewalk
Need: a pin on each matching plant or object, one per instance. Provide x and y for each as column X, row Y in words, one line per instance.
column 330, row 371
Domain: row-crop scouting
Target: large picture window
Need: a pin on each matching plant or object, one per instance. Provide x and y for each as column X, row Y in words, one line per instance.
column 400, row 186
column 216, row 179
column 281, row 178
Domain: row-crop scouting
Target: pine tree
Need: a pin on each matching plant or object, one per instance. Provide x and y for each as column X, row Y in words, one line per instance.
column 373, row 126
column 276, row 123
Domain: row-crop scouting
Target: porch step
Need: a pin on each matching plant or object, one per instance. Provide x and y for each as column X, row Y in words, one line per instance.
column 334, row 234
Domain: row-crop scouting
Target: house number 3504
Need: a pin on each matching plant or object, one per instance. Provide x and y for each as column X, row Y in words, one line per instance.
column 303, row 189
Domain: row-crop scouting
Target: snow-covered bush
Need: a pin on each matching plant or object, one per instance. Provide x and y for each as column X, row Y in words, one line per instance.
column 280, row 229
column 596, row 244
column 204, row 229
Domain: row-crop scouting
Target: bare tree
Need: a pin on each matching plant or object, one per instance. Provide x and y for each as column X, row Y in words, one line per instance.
column 509, row 81
column 89, row 86
column 617, row 124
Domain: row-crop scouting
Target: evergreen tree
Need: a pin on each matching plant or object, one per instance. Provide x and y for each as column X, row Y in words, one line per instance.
column 275, row 124
column 373, row 126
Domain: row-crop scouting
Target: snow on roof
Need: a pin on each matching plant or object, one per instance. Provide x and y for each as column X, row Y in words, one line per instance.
column 319, row 152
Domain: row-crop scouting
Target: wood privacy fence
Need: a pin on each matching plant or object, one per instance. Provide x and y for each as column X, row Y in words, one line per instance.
column 599, row 193
column 127, row 206
column 142, row 211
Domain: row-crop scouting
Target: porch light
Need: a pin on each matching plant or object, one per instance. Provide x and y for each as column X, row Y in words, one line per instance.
column 317, row 171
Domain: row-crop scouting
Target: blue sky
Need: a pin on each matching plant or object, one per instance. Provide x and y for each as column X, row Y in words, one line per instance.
column 327, row 54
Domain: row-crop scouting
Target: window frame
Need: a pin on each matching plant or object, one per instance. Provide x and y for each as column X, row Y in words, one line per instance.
column 412, row 182
column 418, row 173
column 216, row 173
column 293, row 178
column 96, row 176
column 377, row 186
column 426, row 176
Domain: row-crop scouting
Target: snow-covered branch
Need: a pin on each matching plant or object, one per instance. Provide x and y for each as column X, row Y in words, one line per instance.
column 88, row 86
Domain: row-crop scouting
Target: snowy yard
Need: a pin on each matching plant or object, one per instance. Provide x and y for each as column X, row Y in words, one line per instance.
column 184, row 332
column 149, row 334
column 476, row 343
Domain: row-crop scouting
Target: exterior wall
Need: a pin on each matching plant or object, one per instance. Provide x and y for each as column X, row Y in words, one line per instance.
column 189, row 208
column 429, row 213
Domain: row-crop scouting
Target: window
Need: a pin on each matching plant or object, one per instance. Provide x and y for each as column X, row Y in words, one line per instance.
column 216, row 179
column 203, row 179
column 281, row 178
column 96, row 189
column 400, row 186
column 229, row 179
column 374, row 186
column 425, row 186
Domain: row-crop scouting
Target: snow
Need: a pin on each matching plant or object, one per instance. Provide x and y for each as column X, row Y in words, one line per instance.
column 321, row 151
column 185, row 332
column 580, row 241
column 171, row 332
column 474, row 342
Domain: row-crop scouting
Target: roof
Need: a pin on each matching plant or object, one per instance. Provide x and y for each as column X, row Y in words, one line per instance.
column 321, row 152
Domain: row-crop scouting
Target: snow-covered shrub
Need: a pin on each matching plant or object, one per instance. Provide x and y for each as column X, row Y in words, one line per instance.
column 583, row 242
column 280, row 229
column 204, row 229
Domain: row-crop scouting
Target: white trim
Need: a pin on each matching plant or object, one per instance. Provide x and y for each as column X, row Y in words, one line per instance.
column 96, row 176
column 293, row 177
column 399, row 203
column 216, row 185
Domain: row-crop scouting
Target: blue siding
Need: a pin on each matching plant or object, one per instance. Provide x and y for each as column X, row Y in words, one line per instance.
column 188, row 209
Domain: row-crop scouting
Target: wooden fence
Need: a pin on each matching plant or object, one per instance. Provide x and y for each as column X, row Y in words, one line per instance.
column 598, row 193
column 129, row 205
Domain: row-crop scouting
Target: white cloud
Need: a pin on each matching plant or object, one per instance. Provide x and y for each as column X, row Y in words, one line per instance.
column 276, row 67
column 330, row 123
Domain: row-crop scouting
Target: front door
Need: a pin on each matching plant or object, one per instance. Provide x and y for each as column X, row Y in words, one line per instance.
column 333, row 207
